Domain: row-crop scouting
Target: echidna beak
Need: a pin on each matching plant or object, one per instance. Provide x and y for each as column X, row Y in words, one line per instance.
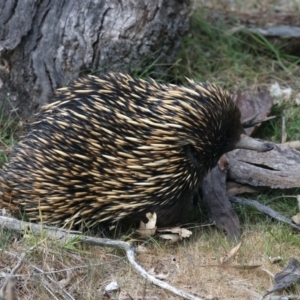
column 249, row 143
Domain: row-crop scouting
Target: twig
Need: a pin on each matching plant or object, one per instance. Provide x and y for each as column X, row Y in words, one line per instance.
column 18, row 265
column 264, row 209
column 22, row 256
column 139, row 269
column 8, row 253
column 10, row 289
column 53, row 290
column 55, row 233
column 60, row 270
column 268, row 272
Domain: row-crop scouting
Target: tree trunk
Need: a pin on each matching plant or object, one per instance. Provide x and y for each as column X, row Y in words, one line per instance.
column 44, row 44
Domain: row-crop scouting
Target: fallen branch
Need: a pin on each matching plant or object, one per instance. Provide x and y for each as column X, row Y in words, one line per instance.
column 215, row 199
column 281, row 31
column 276, row 169
column 264, row 209
column 59, row 287
column 63, row 235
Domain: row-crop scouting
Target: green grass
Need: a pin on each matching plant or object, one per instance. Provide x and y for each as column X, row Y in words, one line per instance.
column 9, row 132
column 278, row 200
column 272, row 130
column 211, row 53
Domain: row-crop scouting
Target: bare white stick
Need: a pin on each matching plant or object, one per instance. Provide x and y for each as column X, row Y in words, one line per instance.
column 57, row 234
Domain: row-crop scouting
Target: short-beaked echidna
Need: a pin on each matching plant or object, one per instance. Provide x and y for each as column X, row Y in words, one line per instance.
column 113, row 146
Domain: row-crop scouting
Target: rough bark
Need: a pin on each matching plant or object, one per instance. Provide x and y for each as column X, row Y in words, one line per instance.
column 254, row 106
column 44, row 44
column 218, row 206
column 276, row 169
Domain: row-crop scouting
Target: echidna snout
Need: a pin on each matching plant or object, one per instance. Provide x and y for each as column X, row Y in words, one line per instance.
column 249, row 143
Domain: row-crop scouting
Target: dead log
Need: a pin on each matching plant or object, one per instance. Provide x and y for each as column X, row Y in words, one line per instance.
column 44, row 44
column 266, row 210
column 277, row 169
column 254, row 106
column 216, row 201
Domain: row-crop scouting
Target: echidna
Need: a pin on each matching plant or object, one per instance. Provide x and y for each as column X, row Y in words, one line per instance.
column 115, row 147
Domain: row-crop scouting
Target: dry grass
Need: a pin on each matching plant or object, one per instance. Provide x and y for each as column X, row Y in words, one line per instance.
column 194, row 264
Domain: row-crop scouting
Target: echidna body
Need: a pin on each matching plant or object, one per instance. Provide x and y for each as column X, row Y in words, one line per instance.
column 115, row 147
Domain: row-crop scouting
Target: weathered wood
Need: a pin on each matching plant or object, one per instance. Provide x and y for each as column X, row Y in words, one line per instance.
column 254, row 106
column 265, row 209
column 286, row 278
column 219, row 207
column 44, row 44
column 235, row 188
column 277, row 169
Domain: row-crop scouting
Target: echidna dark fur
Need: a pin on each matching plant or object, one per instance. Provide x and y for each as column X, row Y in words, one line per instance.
column 112, row 147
